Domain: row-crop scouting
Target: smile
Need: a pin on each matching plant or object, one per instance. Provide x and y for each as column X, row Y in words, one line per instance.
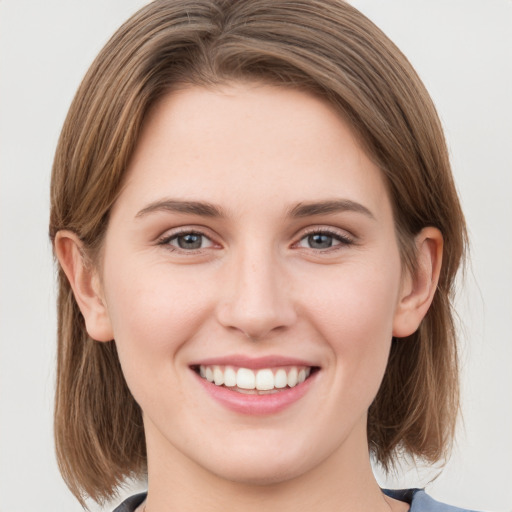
column 261, row 381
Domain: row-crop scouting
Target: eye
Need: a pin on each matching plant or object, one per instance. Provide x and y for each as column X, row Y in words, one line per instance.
column 187, row 241
column 323, row 240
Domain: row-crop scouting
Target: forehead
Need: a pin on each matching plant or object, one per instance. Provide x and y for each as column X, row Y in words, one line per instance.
column 244, row 142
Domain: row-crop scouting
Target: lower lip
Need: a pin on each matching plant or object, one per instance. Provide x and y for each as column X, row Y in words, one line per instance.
column 256, row 404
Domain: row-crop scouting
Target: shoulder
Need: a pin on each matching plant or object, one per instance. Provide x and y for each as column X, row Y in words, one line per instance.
column 420, row 501
column 130, row 504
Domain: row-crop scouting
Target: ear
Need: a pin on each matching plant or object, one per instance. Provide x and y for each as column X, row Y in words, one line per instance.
column 418, row 290
column 86, row 284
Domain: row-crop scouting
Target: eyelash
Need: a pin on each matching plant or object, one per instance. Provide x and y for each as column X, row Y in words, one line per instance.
column 343, row 240
column 166, row 240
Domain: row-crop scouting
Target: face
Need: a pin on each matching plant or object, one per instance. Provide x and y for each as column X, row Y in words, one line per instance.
column 252, row 278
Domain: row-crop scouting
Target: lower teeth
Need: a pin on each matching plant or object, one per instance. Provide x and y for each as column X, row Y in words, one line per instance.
column 255, row 391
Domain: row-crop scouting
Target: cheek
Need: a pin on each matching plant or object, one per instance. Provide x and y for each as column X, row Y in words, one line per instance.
column 353, row 313
column 355, row 300
column 153, row 314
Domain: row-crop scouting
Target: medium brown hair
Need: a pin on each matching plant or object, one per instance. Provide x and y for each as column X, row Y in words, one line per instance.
column 325, row 47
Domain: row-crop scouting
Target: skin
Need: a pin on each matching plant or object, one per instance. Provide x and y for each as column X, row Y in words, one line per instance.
column 255, row 287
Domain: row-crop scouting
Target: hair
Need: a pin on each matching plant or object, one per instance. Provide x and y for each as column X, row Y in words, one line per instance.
column 324, row 47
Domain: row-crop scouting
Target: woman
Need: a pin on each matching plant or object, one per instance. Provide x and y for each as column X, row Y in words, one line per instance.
column 258, row 234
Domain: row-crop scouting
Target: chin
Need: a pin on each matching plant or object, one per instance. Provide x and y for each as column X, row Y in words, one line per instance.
column 267, row 475
column 260, row 467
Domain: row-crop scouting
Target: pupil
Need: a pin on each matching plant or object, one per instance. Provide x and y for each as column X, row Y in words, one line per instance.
column 190, row 241
column 320, row 241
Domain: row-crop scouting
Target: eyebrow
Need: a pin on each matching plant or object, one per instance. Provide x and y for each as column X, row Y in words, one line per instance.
column 303, row 209
column 201, row 208
column 329, row 207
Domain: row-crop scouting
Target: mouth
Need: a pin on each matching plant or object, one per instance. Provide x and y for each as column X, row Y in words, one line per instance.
column 262, row 381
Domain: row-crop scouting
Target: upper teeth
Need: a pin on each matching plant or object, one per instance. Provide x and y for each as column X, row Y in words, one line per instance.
column 263, row 379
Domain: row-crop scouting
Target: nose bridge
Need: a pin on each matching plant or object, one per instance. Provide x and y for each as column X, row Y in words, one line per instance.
column 257, row 298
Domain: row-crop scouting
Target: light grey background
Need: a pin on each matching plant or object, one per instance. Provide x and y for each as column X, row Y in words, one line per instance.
column 463, row 51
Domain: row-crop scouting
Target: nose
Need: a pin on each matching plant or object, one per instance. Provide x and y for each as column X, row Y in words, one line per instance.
column 256, row 298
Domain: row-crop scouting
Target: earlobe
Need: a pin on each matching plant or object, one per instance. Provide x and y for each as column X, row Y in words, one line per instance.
column 418, row 290
column 86, row 285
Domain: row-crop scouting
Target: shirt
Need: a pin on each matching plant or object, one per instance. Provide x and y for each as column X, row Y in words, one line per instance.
column 418, row 500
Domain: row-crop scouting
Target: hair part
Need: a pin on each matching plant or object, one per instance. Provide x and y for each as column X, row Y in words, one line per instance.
column 325, row 47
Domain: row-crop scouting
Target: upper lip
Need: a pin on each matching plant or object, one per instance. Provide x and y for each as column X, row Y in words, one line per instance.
column 253, row 363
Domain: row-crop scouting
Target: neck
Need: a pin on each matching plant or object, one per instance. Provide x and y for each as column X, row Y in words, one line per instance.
column 342, row 482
